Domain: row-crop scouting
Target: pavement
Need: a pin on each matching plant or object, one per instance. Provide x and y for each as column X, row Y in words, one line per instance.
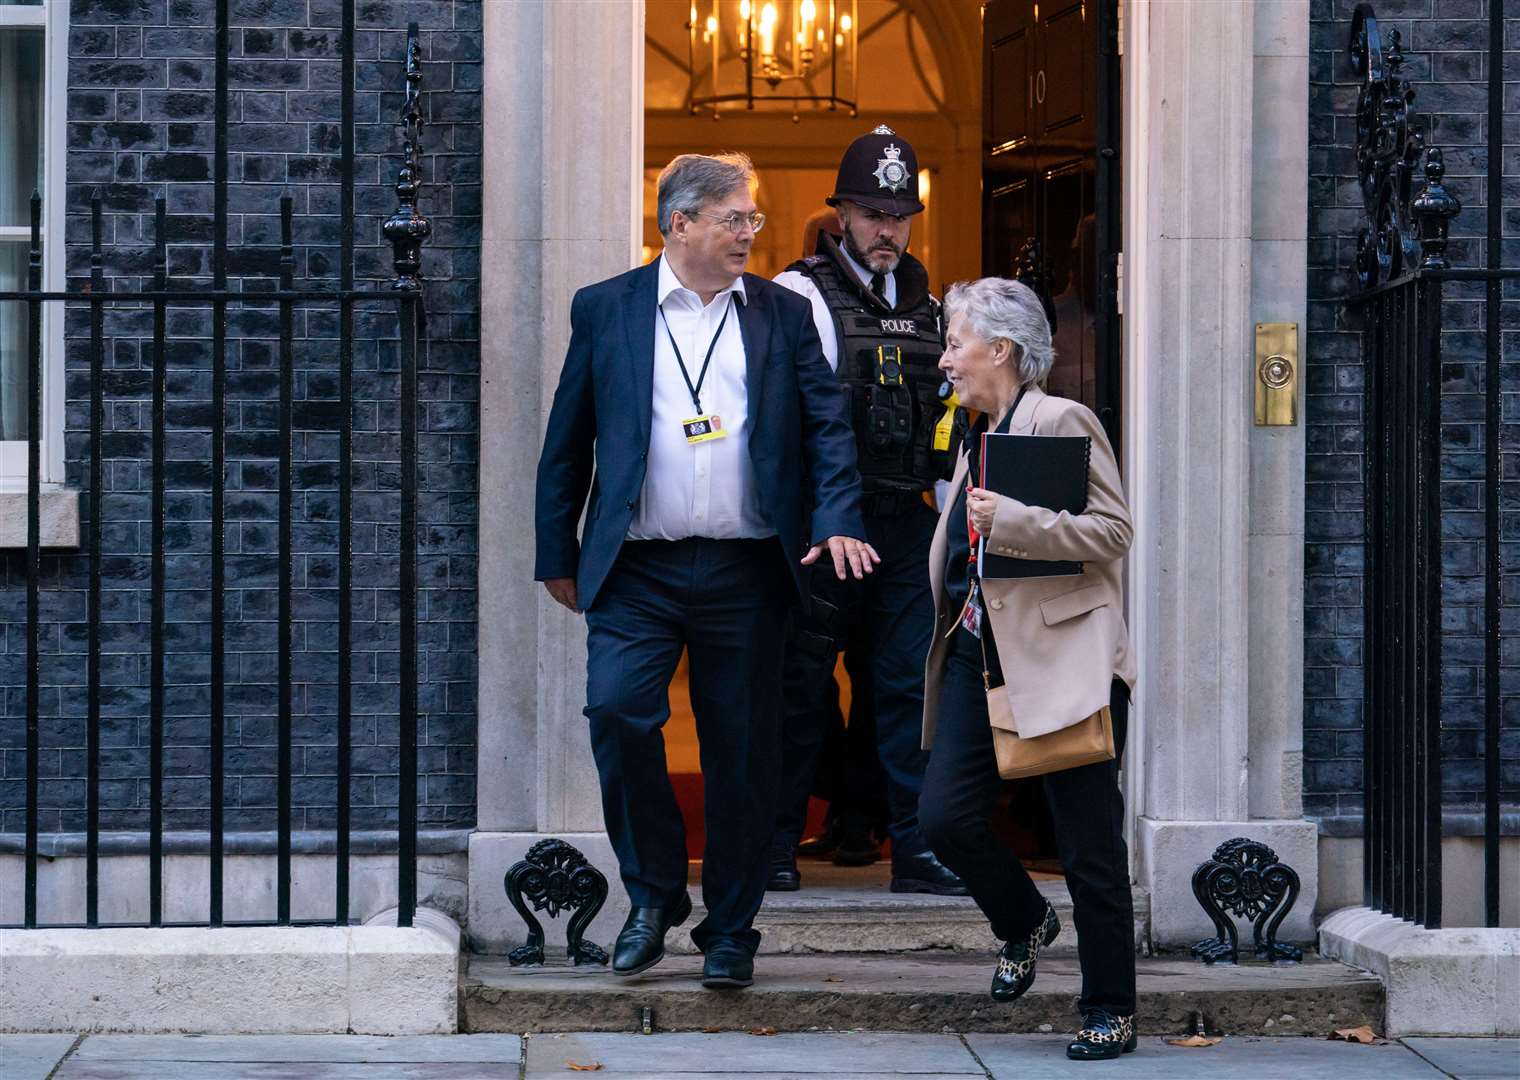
column 730, row 1056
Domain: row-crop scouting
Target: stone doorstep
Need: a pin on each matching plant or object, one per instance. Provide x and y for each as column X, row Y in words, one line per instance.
column 921, row 993
column 870, row 919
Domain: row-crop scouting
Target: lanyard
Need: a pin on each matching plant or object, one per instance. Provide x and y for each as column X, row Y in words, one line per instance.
column 696, row 391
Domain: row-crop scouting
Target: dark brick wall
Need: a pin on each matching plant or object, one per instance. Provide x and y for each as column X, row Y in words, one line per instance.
column 140, row 112
column 1446, row 42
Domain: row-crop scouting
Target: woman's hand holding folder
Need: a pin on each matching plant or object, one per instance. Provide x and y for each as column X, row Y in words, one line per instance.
column 982, row 505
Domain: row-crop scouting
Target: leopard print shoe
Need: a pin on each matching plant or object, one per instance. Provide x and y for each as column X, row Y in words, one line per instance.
column 1015, row 967
column 1103, row 1036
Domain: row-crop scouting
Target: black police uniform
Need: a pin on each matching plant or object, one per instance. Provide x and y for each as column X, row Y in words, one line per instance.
column 888, row 359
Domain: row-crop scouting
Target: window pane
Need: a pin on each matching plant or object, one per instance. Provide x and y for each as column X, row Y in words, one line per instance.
column 21, row 97
column 12, row 343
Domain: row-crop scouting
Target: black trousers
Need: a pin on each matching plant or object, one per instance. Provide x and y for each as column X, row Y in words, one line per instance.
column 960, row 790
column 725, row 602
column 896, row 606
column 849, row 776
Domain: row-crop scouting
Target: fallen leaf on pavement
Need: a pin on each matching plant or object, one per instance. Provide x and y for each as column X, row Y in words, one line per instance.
column 1195, row 1040
column 762, row 1031
column 591, row 1066
column 1363, row 1034
column 832, row 978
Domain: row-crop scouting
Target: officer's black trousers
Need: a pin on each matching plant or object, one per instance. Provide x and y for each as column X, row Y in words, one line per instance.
column 960, row 790
column 849, row 776
column 725, row 602
column 897, row 608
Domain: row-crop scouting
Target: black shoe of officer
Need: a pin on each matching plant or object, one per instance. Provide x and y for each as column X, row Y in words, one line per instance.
column 1103, row 1036
column 785, row 877
column 923, row 873
column 1016, row 960
column 641, row 943
column 727, row 966
column 822, row 845
column 856, row 847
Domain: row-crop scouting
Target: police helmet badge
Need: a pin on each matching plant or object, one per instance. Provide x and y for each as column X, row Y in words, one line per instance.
column 891, row 173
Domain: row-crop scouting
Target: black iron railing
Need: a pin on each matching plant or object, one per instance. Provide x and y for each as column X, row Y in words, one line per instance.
column 406, row 229
column 1401, row 274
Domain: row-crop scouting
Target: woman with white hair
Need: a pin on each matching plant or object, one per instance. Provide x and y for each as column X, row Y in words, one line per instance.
column 1056, row 646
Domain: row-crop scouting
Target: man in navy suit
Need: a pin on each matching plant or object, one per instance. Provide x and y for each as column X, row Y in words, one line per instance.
column 696, row 410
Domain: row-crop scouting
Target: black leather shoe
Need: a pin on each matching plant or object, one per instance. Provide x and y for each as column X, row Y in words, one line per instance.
column 728, row 966
column 1103, row 1036
column 1015, row 966
column 856, row 848
column 641, row 943
column 822, row 845
column 785, row 877
column 923, row 873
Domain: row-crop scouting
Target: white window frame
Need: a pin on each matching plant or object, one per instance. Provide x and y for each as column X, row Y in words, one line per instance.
column 52, row 17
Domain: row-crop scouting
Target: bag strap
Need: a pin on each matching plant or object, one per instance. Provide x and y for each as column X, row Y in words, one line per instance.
column 986, row 674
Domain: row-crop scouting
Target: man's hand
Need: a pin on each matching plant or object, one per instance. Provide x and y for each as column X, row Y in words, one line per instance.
column 859, row 556
column 982, row 505
column 563, row 590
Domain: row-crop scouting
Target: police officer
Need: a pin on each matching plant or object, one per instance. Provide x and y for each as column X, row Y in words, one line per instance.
column 881, row 332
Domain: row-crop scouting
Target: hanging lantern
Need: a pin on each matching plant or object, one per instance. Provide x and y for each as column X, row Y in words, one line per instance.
column 755, row 54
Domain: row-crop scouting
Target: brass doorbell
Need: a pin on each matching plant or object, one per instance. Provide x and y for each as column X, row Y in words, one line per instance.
column 1276, row 374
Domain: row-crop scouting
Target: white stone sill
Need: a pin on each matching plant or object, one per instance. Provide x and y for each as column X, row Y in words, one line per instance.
column 1458, row 981
column 60, row 517
column 375, row 979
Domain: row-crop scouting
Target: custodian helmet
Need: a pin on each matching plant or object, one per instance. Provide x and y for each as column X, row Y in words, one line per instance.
column 880, row 171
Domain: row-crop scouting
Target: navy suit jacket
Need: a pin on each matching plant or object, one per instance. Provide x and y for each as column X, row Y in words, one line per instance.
column 597, row 443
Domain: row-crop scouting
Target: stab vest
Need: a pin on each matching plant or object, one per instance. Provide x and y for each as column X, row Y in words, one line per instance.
column 888, row 369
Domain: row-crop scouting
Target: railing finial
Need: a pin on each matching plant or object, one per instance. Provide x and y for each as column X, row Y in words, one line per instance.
column 407, row 228
column 1432, row 209
column 1401, row 232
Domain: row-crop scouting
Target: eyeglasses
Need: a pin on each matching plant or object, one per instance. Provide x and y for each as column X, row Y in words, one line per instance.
column 736, row 221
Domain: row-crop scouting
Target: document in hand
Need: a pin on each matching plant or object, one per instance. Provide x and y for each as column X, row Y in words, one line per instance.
column 1037, row 470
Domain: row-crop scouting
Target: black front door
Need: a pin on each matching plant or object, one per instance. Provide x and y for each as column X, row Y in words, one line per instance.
column 1050, row 179
column 1050, row 217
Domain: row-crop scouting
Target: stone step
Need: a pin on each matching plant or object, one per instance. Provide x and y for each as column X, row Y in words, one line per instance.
column 921, row 992
column 865, row 917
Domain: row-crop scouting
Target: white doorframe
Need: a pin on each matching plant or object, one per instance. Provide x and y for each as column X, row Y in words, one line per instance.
column 636, row 144
column 1134, row 108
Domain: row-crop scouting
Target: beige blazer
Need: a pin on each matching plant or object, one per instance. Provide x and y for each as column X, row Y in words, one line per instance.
column 1061, row 640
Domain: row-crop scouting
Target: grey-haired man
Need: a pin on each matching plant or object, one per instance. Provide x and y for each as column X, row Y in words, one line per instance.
column 697, row 413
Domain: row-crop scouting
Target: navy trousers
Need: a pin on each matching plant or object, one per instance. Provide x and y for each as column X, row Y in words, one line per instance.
column 725, row 602
column 897, row 607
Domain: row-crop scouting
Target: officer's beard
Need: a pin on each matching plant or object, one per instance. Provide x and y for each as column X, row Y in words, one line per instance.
column 864, row 255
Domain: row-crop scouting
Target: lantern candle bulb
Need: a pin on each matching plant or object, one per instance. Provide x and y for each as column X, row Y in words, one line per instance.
column 768, row 34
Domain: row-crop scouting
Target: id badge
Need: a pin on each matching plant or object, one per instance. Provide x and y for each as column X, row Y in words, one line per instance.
column 705, row 428
column 971, row 614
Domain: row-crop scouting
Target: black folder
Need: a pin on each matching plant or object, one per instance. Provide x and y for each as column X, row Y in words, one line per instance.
column 1037, row 470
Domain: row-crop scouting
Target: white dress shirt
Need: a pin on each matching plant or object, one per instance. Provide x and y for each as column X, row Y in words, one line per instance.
column 799, row 282
column 706, row 488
